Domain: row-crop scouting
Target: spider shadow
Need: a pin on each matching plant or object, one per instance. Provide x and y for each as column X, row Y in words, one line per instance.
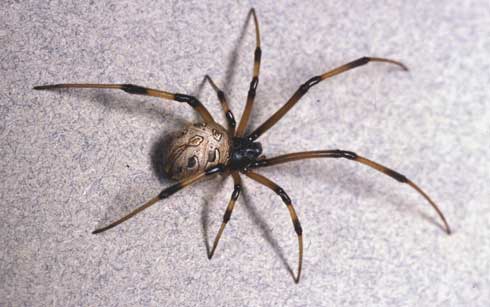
column 205, row 214
column 159, row 156
column 158, row 151
column 234, row 56
column 266, row 232
column 130, row 104
column 256, row 218
column 412, row 205
column 357, row 185
column 232, row 61
column 432, row 220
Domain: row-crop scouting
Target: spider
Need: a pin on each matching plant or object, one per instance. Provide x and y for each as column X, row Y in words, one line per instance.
column 206, row 148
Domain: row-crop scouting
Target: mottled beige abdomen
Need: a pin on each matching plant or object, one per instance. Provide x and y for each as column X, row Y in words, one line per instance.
column 198, row 147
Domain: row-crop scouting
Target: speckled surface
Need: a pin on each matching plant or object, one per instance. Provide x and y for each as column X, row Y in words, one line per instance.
column 71, row 161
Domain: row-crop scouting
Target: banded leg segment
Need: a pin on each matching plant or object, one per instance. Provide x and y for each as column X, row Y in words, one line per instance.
column 255, row 80
column 164, row 194
column 139, row 90
column 230, row 118
column 354, row 157
column 229, row 210
column 303, row 89
column 294, row 217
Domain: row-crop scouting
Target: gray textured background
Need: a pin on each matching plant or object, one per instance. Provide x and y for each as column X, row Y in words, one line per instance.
column 74, row 160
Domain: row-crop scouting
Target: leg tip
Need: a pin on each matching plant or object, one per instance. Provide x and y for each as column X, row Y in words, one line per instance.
column 252, row 13
column 45, row 87
column 404, row 67
column 448, row 231
column 211, row 252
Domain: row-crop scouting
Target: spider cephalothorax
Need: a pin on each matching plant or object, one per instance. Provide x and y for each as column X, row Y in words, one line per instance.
column 244, row 154
column 205, row 149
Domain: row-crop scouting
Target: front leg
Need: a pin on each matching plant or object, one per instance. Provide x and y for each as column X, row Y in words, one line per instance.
column 139, row 90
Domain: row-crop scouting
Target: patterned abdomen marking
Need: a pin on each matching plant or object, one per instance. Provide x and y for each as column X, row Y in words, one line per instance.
column 197, row 148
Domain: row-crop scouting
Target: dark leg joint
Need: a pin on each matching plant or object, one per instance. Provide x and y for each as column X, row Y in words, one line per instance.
column 297, row 227
column 221, row 95
column 134, row 89
column 397, row 176
column 258, row 54
column 348, row 154
column 236, row 192
column 359, row 62
column 343, row 154
column 306, row 86
column 253, row 86
column 285, row 198
column 216, row 169
column 227, row 216
column 169, row 191
column 190, row 100
column 231, row 119
column 254, row 83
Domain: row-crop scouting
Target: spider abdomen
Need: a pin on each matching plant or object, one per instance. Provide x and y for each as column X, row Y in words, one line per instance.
column 198, row 147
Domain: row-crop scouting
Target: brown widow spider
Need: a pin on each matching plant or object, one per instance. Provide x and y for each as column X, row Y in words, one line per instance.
column 206, row 149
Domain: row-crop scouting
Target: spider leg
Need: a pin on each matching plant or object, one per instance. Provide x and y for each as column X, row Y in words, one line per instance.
column 294, row 217
column 303, row 89
column 354, row 157
column 255, row 80
column 139, row 90
column 224, row 104
column 229, row 209
column 164, row 194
